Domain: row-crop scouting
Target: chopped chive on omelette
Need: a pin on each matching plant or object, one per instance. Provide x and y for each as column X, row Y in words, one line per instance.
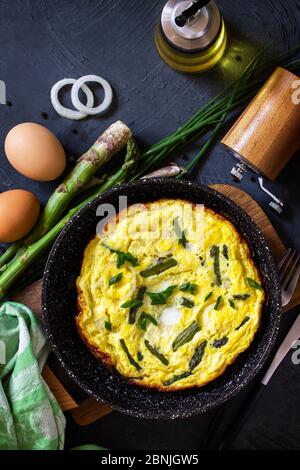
column 115, row 279
column 144, row 319
column 241, row 296
column 180, row 233
column 156, row 353
column 108, row 325
column 134, row 309
column 129, row 356
column 132, row 303
column 186, row 335
column 246, row 319
column 225, row 252
column 189, row 287
column 253, row 283
column 218, row 302
column 231, row 303
column 187, row 302
column 198, row 355
column 161, row 298
column 215, row 254
column 208, row 296
column 122, row 256
column 159, row 267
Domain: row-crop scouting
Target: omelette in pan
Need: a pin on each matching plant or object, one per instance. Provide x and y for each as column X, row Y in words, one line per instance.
column 169, row 294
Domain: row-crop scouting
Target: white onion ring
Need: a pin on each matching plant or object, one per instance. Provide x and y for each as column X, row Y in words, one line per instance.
column 67, row 112
column 108, row 95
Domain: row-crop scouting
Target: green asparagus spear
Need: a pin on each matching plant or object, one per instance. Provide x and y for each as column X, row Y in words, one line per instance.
column 159, row 267
column 189, row 287
column 156, row 353
column 175, row 378
column 198, row 355
column 134, row 309
column 186, row 335
column 129, row 356
column 215, row 254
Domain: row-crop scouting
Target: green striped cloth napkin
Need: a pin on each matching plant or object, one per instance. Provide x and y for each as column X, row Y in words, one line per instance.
column 30, row 417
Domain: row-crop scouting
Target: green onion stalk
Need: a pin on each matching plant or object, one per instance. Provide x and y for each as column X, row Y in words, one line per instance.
column 211, row 117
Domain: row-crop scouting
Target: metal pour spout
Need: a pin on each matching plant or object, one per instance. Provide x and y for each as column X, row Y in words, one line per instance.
column 182, row 19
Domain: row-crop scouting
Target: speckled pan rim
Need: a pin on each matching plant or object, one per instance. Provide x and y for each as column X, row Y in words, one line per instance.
column 236, row 212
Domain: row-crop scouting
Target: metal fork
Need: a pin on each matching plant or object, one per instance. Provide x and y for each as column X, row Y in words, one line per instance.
column 289, row 272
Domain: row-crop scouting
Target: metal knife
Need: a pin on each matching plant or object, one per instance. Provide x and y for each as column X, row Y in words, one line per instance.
column 288, row 342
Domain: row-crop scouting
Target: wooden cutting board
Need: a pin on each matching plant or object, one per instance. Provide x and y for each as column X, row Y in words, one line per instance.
column 90, row 410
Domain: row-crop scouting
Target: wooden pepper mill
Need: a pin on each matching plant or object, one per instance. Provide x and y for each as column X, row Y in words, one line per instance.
column 267, row 134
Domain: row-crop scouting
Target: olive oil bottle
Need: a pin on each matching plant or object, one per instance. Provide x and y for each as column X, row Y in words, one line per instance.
column 191, row 36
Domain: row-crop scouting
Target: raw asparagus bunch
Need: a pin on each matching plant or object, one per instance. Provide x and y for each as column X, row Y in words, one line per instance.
column 109, row 143
column 19, row 264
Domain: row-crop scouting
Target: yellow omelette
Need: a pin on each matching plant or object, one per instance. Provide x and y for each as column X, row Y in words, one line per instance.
column 169, row 294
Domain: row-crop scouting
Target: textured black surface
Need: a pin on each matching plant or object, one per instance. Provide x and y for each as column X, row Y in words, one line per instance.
column 43, row 41
column 59, row 308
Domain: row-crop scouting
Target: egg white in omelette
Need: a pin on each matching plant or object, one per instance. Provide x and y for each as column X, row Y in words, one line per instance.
column 169, row 312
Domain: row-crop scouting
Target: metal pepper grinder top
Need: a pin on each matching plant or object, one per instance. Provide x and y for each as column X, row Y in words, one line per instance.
column 191, row 36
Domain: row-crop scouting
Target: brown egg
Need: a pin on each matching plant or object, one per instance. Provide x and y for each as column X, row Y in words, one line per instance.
column 19, row 211
column 35, row 152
